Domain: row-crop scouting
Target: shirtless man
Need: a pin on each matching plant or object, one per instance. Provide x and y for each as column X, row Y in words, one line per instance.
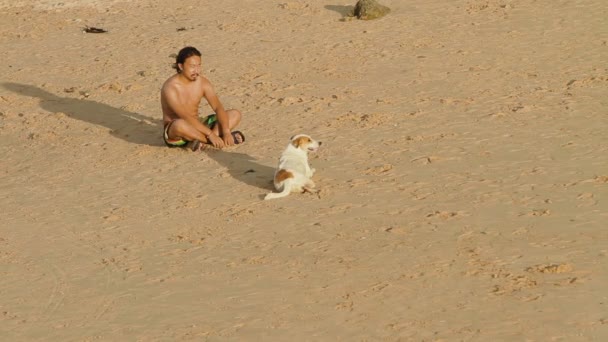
column 180, row 97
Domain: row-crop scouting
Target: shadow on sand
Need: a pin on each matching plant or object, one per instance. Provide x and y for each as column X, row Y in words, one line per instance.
column 344, row 10
column 138, row 129
column 244, row 168
column 132, row 127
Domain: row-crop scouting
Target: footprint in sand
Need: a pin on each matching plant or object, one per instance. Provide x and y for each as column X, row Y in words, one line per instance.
column 514, row 283
column 586, row 199
column 360, row 120
column 538, row 213
column 446, row 215
column 378, row 170
column 424, row 160
column 555, row 269
column 550, row 268
column 494, row 6
column 601, row 179
column 590, row 81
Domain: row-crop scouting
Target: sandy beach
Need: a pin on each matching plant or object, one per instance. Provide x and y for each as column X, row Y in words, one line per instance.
column 463, row 173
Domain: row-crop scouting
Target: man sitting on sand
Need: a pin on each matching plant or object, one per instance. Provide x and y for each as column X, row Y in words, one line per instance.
column 180, row 97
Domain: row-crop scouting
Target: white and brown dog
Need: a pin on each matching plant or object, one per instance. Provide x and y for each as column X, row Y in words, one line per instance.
column 294, row 173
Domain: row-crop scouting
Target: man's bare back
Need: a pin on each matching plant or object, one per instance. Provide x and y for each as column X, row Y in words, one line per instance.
column 181, row 96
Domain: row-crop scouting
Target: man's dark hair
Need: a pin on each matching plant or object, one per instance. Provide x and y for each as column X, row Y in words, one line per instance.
column 183, row 54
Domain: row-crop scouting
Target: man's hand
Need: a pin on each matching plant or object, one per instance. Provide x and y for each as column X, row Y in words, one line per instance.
column 228, row 138
column 215, row 140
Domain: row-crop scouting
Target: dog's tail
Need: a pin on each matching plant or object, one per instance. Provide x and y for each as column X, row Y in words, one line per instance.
column 286, row 191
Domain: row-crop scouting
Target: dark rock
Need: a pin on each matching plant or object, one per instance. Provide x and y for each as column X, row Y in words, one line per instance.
column 370, row 9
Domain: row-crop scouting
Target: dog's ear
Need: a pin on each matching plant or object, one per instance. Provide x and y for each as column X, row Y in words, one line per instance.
column 301, row 141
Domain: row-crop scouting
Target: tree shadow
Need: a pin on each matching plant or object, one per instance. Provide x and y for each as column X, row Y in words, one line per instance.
column 132, row 127
column 245, row 168
column 345, row 10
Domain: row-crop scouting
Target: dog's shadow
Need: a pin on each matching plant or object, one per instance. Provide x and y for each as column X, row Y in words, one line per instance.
column 244, row 168
column 132, row 127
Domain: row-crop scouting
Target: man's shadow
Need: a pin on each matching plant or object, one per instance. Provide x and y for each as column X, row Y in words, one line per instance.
column 244, row 168
column 132, row 127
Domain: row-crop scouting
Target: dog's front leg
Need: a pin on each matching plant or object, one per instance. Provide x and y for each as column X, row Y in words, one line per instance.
column 311, row 189
column 310, row 171
column 310, row 186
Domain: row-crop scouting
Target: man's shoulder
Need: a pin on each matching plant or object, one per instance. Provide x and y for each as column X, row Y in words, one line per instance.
column 204, row 84
column 205, row 81
column 174, row 82
column 171, row 82
column 172, row 87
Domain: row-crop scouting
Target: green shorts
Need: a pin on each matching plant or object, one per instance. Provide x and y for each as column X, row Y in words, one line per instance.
column 209, row 121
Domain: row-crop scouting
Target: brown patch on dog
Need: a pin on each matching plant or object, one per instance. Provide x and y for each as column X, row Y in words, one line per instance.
column 301, row 141
column 282, row 175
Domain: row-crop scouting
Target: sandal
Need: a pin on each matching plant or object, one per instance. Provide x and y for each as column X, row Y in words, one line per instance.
column 235, row 134
column 195, row 145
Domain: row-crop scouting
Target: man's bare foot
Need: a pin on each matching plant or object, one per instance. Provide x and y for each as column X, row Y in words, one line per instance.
column 238, row 137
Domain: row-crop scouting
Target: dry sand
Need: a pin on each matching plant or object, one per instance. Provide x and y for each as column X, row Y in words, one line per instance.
column 464, row 173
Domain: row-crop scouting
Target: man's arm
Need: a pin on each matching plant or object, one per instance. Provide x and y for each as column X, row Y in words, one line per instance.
column 220, row 111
